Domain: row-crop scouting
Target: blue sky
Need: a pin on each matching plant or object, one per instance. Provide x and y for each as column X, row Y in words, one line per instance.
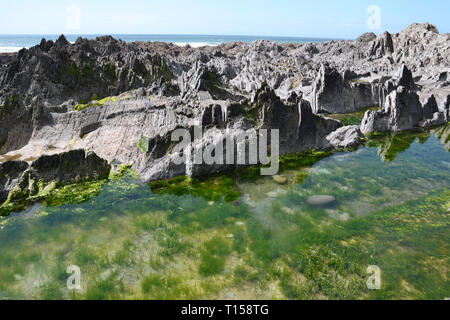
column 316, row 18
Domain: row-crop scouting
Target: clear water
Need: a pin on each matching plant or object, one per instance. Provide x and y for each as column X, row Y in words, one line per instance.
column 13, row 43
column 392, row 210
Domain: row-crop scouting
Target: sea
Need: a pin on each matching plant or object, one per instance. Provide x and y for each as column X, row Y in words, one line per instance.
column 14, row 43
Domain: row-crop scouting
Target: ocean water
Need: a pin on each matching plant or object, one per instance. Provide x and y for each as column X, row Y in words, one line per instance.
column 13, row 43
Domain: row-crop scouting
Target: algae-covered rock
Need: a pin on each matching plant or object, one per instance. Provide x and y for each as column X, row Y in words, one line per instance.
column 10, row 173
column 20, row 181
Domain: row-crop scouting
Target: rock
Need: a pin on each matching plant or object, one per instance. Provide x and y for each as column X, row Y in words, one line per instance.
column 10, row 173
column 280, row 179
column 343, row 138
column 438, row 119
column 321, row 200
column 50, row 171
column 272, row 194
column 382, row 45
column 69, row 167
column 446, row 108
column 430, row 107
column 338, row 216
column 334, row 93
column 331, row 93
column 366, row 94
column 350, row 75
column 367, row 37
column 402, row 111
column 404, row 78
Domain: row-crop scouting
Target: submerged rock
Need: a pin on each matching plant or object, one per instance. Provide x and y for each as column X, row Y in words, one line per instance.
column 280, row 179
column 321, row 200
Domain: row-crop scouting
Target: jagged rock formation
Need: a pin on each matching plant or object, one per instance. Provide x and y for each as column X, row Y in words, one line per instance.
column 336, row 93
column 46, row 75
column 259, row 85
column 403, row 109
column 331, row 93
column 299, row 130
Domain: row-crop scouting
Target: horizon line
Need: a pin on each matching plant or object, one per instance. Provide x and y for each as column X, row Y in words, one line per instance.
column 168, row 34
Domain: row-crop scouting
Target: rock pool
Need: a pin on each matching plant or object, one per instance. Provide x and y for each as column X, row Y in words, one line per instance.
column 240, row 236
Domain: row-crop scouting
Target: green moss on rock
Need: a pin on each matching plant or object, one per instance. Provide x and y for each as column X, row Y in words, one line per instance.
column 94, row 103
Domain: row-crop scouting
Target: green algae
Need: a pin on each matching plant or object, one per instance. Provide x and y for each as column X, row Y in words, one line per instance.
column 94, row 103
column 143, row 144
column 210, row 188
column 352, row 118
column 304, row 159
column 286, row 162
column 51, row 195
column 319, row 262
column 120, row 171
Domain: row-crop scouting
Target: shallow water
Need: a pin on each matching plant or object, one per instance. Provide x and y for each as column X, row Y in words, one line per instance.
column 391, row 210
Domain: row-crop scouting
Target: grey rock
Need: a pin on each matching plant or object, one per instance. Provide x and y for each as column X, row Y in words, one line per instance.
column 10, row 173
column 367, row 37
column 334, row 93
column 343, row 138
column 60, row 169
column 321, row 200
column 430, row 107
column 404, row 78
column 280, row 179
column 446, row 108
column 438, row 119
column 382, row 45
column 402, row 111
column 69, row 167
column 331, row 93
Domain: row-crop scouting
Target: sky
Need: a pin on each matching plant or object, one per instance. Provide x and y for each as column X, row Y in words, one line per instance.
column 345, row 19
